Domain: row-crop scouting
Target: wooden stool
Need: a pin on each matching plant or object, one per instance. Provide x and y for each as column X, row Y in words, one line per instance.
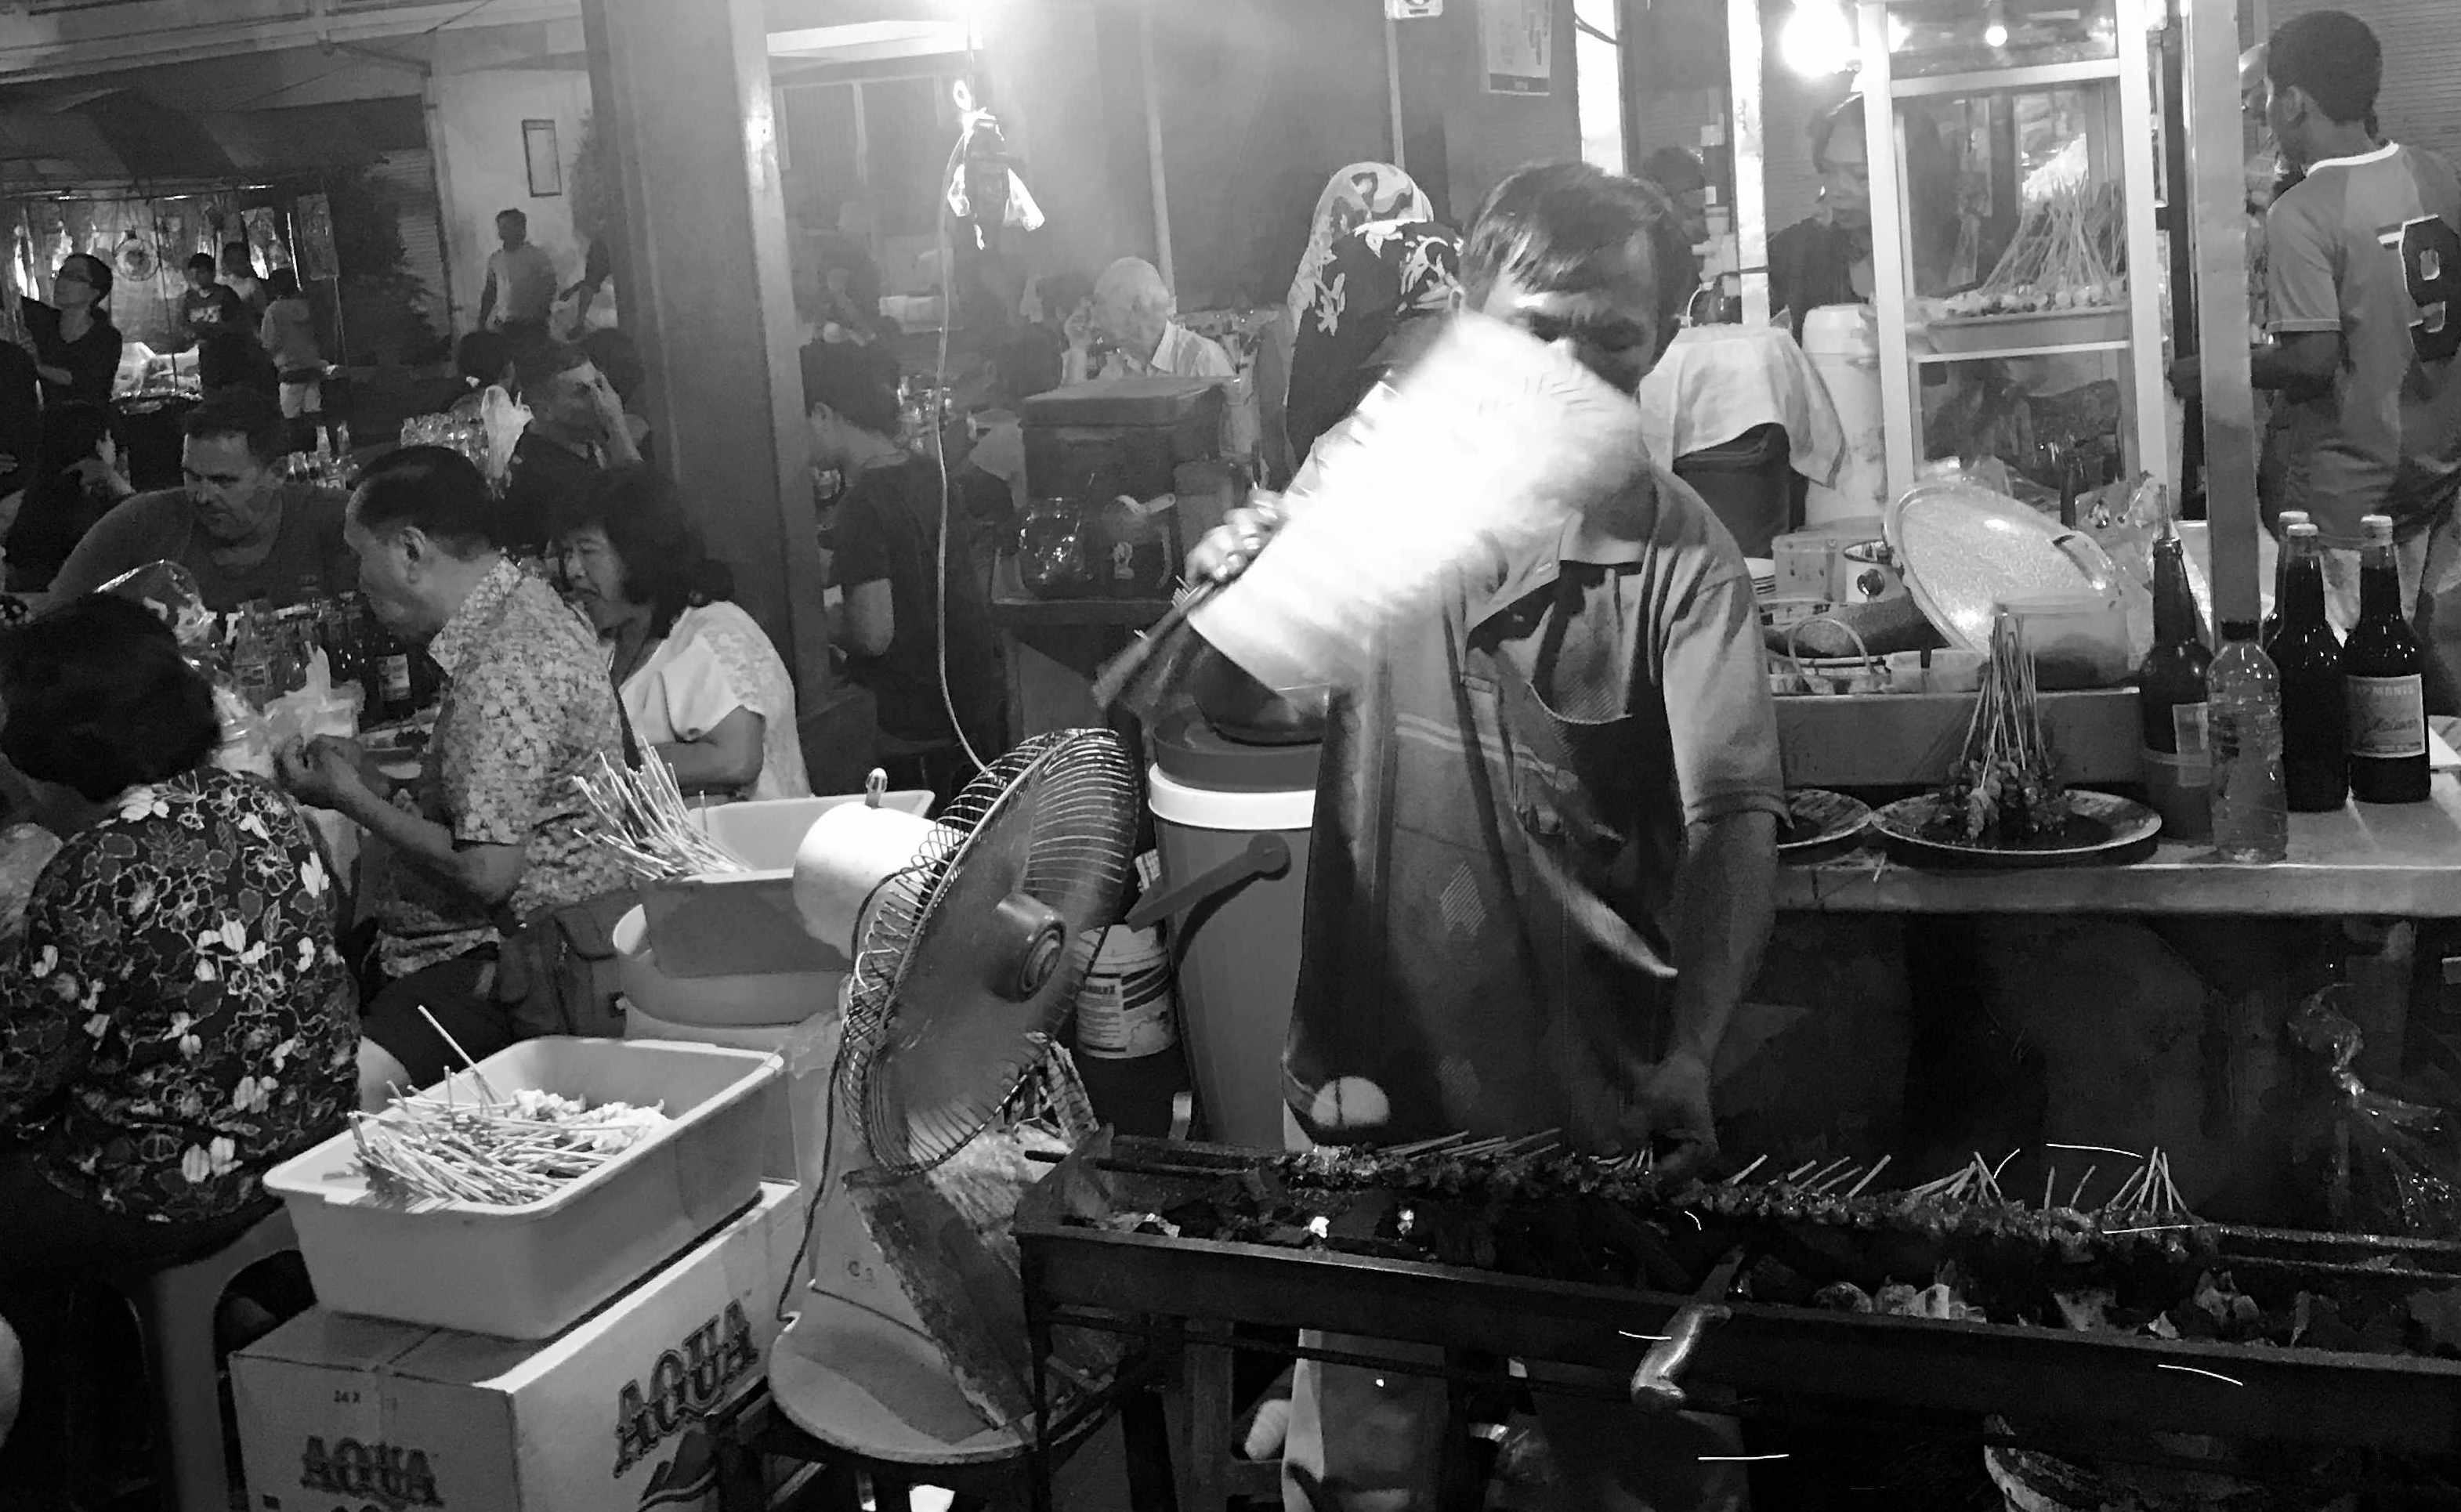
column 175, row 1313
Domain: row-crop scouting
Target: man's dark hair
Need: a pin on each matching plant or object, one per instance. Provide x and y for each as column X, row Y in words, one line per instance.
column 1674, row 171
column 615, row 353
column 435, row 488
column 235, row 359
column 244, row 412
column 517, row 216
column 1555, row 226
column 202, row 262
column 2332, row 56
column 535, row 363
column 97, row 274
column 1824, row 127
column 100, row 699
column 282, row 283
column 482, row 356
column 859, row 384
column 239, row 250
column 666, row 563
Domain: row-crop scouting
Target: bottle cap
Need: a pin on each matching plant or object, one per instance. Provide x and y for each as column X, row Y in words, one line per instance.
column 2378, row 528
column 2299, row 530
column 2291, row 519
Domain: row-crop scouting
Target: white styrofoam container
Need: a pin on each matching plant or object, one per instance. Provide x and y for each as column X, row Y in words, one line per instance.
column 528, row 1272
column 745, row 923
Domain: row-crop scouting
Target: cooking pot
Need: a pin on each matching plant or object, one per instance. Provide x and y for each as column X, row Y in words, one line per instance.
column 1239, row 707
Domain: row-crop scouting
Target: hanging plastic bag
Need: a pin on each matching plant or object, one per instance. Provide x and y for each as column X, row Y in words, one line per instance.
column 2385, row 1165
column 170, row 592
column 316, row 708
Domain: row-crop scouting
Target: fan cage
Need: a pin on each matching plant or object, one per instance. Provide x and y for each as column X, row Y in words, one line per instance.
column 1085, row 794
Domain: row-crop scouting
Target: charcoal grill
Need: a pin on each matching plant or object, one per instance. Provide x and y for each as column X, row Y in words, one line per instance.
column 2073, row 1385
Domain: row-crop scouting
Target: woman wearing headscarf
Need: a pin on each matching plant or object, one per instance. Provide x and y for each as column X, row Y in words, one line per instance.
column 1372, row 254
column 1379, row 291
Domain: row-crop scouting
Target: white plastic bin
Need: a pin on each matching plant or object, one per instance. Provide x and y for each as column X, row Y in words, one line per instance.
column 746, row 923
column 530, row 1271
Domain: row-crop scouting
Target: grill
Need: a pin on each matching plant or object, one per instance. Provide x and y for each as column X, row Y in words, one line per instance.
column 2068, row 1388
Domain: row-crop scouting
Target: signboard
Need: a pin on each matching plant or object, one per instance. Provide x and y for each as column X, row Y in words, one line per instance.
column 1517, row 44
column 1412, row 10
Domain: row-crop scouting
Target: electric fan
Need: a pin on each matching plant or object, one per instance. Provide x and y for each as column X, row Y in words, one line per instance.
column 969, row 950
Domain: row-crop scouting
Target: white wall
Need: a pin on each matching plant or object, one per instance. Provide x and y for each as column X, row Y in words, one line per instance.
column 474, row 120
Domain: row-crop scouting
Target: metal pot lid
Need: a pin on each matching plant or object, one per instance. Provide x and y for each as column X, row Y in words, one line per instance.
column 1964, row 549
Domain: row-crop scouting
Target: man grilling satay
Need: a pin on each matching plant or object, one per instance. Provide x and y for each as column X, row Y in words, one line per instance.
column 1545, row 848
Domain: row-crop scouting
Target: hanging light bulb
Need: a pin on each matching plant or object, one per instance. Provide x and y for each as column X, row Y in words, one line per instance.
column 1817, row 38
column 1995, row 30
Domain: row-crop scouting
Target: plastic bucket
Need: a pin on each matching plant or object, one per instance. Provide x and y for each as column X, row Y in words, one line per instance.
column 1238, row 950
column 736, row 1000
column 1838, row 340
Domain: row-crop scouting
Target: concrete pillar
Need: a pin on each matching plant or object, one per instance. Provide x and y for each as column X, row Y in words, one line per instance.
column 683, row 91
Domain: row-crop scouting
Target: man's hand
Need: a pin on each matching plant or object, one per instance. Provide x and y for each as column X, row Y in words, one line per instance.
column 1079, row 327
column 1674, row 1106
column 322, row 772
column 1229, row 546
column 2187, row 378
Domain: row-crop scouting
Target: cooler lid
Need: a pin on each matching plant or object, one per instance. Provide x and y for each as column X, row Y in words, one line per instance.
column 1191, row 751
column 1157, row 401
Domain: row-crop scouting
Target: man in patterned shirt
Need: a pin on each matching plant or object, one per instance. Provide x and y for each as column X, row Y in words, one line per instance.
column 489, row 837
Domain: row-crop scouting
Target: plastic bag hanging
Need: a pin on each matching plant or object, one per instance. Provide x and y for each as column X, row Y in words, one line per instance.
column 983, row 184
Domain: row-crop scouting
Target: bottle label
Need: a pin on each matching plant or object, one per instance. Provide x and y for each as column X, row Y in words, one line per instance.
column 2388, row 717
column 397, row 676
column 2188, row 730
column 1125, row 1008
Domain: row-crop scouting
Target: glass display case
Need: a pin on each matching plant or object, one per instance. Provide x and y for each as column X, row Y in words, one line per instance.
column 2016, row 271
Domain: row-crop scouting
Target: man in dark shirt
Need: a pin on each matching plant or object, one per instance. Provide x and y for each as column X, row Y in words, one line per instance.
column 239, row 526
column 576, row 432
column 208, row 305
column 888, row 560
column 1826, row 259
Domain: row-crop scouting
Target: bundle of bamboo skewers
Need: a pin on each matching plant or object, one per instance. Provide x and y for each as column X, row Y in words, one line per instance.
column 640, row 814
column 2069, row 253
column 2005, row 788
column 491, row 1148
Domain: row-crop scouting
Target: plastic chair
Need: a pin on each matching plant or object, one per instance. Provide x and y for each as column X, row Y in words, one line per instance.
column 175, row 1312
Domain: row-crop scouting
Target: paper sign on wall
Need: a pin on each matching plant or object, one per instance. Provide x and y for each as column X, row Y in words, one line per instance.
column 1517, row 39
column 1412, row 10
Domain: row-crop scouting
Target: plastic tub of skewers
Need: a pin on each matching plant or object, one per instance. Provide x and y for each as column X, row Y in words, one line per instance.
column 527, row 1189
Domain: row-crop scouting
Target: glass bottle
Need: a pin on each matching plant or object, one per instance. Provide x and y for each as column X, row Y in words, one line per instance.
column 2315, row 714
column 2383, row 672
column 2291, row 519
column 251, row 655
column 2250, row 810
column 2171, row 699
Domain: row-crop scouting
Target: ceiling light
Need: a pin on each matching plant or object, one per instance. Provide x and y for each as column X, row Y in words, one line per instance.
column 1817, row 39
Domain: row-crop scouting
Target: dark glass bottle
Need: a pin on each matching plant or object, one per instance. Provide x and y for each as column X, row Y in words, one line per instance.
column 2170, row 698
column 2315, row 712
column 2291, row 519
column 2383, row 672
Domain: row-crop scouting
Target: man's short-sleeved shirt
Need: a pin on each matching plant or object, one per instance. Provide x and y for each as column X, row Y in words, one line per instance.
column 2370, row 247
column 308, row 556
column 527, row 708
column 1500, row 815
column 525, row 282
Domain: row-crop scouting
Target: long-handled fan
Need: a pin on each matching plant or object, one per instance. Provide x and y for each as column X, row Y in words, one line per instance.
column 968, row 958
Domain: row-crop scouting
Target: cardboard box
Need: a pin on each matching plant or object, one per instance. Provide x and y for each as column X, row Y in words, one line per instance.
column 345, row 1413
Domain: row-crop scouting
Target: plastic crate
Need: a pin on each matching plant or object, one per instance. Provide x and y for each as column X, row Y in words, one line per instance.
column 746, row 924
column 530, row 1271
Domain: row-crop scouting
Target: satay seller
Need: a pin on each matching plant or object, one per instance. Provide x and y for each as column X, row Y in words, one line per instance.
column 1545, row 840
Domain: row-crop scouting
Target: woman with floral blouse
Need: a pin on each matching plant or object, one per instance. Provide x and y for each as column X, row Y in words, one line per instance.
column 176, row 1018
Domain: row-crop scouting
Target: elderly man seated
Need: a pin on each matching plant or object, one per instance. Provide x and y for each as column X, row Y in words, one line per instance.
column 1128, row 330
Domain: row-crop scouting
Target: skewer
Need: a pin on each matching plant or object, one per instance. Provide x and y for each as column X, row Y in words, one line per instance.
column 1737, row 1178
column 1867, row 1175
column 1830, row 1184
column 1797, row 1172
column 2077, row 1197
column 2048, row 1177
column 476, row 1074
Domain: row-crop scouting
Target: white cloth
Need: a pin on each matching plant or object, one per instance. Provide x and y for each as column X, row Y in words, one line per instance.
column 1716, row 382
column 1359, row 194
column 714, row 661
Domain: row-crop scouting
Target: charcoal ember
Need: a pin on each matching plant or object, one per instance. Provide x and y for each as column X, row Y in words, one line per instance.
column 1772, row 1280
column 1843, row 1296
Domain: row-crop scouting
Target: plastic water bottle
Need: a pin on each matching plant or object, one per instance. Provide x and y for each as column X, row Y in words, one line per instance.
column 2251, row 807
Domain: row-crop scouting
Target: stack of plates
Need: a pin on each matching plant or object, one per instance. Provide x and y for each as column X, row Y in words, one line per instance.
column 1763, row 572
